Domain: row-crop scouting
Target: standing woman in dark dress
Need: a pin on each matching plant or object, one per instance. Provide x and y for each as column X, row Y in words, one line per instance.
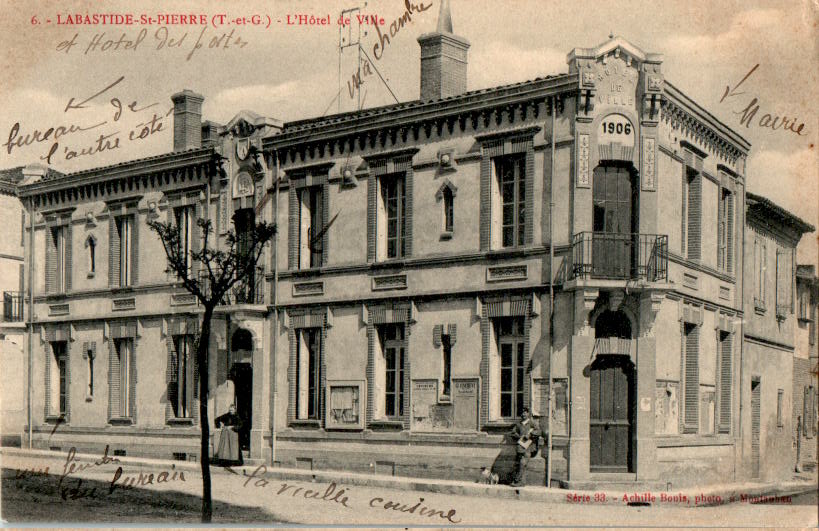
column 228, row 451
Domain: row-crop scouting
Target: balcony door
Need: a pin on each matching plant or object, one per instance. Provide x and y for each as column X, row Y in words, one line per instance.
column 244, row 221
column 614, row 222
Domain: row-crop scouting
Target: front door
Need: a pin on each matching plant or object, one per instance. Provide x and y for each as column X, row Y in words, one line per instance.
column 242, row 376
column 610, row 414
column 613, row 222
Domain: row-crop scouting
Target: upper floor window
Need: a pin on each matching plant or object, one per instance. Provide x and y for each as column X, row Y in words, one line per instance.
column 784, row 281
column 91, row 244
column 125, row 228
column 184, row 218
column 760, row 268
column 392, row 218
column 692, row 214
column 509, row 201
column 58, row 257
column 725, row 230
column 449, row 210
column 311, row 228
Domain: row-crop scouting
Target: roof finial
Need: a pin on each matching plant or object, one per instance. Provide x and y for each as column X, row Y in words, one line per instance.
column 444, row 18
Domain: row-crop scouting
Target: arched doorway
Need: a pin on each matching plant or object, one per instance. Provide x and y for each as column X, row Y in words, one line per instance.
column 614, row 220
column 611, row 400
column 241, row 373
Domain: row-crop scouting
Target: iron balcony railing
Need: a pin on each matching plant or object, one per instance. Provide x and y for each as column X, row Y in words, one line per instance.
column 250, row 290
column 13, row 304
column 616, row 256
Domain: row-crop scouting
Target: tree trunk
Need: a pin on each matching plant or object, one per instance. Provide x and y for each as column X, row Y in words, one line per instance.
column 202, row 361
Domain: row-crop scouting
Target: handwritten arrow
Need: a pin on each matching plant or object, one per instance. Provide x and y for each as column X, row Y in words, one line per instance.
column 81, row 105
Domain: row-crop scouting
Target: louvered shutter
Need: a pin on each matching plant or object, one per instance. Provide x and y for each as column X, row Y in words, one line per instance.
column 68, row 266
column 325, row 219
column 134, row 250
column 49, row 354
column 406, row 232
column 729, row 223
column 721, row 229
column 113, row 252
column 694, row 216
column 486, row 201
column 50, row 261
column 725, row 373
column 113, row 380
column 171, row 384
column 293, row 228
column 692, row 379
column 372, row 208
column 132, row 380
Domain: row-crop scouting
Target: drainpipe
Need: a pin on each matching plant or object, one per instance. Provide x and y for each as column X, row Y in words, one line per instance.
column 551, row 299
column 30, row 312
column 274, row 353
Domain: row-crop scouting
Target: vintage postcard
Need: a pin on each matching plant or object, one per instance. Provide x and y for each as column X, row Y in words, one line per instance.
column 404, row 263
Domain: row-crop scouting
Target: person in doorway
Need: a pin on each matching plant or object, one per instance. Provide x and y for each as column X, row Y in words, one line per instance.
column 526, row 435
column 228, row 452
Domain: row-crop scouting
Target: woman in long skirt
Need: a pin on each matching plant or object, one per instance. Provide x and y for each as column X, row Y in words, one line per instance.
column 228, row 452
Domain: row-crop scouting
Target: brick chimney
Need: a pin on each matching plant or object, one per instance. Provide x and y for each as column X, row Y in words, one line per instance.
column 443, row 59
column 187, row 120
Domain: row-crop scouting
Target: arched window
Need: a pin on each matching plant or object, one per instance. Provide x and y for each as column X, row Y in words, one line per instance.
column 449, row 223
column 91, row 244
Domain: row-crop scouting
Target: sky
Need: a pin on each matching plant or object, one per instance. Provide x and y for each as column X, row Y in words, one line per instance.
column 290, row 71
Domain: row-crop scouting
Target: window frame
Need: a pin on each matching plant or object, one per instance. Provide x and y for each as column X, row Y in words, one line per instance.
column 510, row 331
column 311, row 201
column 386, row 183
column 309, row 339
column 501, row 166
column 393, row 337
column 125, row 231
column 187, row 213
column 446, row 358
column 124, row 375
column 185, row 401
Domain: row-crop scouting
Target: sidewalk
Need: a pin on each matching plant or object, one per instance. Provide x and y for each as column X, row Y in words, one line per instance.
column 708, row 495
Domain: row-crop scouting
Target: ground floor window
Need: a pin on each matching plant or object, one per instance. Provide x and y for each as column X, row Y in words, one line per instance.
column 308, row 374
column 121, row 389
column 392, row 368
column 58, row 379
column 511, row 351
column 182, row 390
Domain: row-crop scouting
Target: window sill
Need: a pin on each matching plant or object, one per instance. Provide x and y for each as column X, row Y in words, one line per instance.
column 122, row 289
column 805, row 319
column 54, row 296
column 308, row 272
column 121, row 421
column 310, row 424
column 55, row 419
column 181, row 421
column 759, row 310
column 90, row 274
column 89, row 398
column 498, row 426
column 386, row 425
column 507, row 252
column 398, row 263
column 446, row 235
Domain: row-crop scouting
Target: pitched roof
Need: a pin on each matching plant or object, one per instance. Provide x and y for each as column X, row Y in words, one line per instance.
column 769, row 209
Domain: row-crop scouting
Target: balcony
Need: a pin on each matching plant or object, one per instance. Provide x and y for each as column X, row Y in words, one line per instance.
column 613, row 256
column 248, row 291
column 13, row 306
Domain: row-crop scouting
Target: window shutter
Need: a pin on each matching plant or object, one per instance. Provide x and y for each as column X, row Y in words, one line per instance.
column 113, row 379
column 132, row 380
column 292, row 227
column 684, row 206
column 171, row 378
column 692, row 379
column 729, row 223
column 721, row 230
column 372, row 207
column 50, row 261
column 406, row 233
column 67, row 241
column 49, row 353
column 113, row 252
column 529, row 220
column 694, row 216
column 486, row 201
column 725, row 373
column 325, row 219
column 67, row 380
column 134, row 249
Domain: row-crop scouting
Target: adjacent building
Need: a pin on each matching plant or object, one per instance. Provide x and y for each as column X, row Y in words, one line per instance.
column 440, row 264
column 806, row 366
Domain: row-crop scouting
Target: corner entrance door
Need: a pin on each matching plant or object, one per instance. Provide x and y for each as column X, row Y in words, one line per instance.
column 242, row 376
column 610, row 414
column 613, row 222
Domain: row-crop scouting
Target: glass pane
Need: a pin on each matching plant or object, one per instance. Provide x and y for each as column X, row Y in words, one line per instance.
column 520, row 354
column 390, row 404
column 509, row 236
column 506, row 405
column 506, row 380
column 506, row 355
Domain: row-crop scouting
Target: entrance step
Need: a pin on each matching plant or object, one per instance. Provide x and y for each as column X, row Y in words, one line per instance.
column 617, row 481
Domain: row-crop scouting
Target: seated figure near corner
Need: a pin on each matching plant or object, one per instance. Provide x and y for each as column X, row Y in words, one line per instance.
column 227, row 448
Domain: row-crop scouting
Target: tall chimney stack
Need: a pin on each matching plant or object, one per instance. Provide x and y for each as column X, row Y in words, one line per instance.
column 187, row 120
column 443, row 59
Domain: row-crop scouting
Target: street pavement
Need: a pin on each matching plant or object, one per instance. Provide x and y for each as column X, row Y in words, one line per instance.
column 272, row 495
